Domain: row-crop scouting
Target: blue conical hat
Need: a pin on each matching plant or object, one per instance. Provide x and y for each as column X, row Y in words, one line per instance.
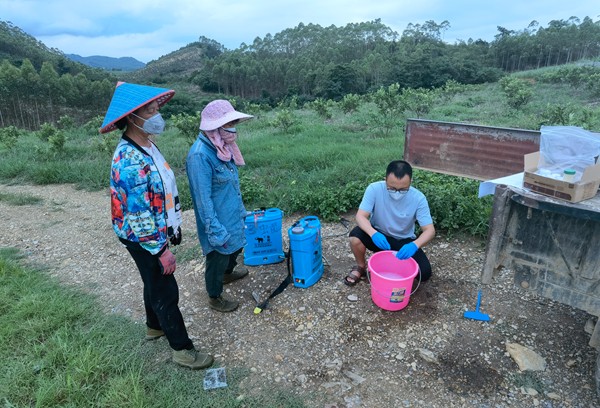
column 130, row 97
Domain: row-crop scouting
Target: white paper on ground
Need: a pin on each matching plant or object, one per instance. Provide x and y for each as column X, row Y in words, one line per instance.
column 488, row 187
column 215, row 378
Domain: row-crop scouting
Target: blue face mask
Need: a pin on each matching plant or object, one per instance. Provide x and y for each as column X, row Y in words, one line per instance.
column 154, row 125
column 230, row 130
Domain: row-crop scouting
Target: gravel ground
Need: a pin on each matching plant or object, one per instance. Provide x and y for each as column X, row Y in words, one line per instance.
column 317, row 342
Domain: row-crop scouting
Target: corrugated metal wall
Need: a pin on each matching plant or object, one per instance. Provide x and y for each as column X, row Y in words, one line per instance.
column 473, row 151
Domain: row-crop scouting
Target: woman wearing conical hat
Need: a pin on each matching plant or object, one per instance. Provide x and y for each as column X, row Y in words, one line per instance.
column 146, row 213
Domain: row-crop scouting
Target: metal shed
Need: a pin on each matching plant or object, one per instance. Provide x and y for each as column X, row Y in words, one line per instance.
column 550, row 245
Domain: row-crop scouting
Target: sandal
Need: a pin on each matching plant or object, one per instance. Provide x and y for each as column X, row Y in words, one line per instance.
column 356, row 275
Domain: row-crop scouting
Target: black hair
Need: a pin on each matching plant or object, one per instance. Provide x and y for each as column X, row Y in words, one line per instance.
column 121, row 123
column 399, row 168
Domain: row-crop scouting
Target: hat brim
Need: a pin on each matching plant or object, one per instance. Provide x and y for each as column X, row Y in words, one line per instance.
column 130, row 97
column 228, row 117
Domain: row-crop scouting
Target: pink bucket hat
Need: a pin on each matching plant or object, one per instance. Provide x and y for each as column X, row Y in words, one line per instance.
column 219, row 112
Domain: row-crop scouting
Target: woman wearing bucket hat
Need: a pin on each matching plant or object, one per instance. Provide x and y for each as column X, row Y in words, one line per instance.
column 146, row 214
column 214, row 184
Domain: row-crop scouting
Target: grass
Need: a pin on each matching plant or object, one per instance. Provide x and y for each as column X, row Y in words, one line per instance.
column 321, row 166
column 59, row 350
column 19, row 199
column 527, row 380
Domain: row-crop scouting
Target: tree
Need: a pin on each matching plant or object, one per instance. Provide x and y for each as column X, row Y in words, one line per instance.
column 389, row 108
column 12, row 87
column 49, row 83
column 342, row 80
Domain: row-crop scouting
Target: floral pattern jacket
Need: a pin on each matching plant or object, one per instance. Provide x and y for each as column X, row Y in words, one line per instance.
column 137, row 197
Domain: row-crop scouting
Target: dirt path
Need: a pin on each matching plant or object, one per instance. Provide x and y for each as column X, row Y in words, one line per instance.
column 315, row 341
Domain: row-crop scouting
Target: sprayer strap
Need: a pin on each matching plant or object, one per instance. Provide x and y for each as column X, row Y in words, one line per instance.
column 284, row 284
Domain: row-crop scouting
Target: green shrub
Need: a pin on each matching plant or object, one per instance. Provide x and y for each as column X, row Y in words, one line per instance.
column 517, row 91
column 350, row 103
column 449, row 89
column 253, row 109
column 570, row 115
column 321, row 106
column 92, row 127
column 46, row 130
column 57, row 141
column 56, row 138
column 453, row 202
column 188, row 125
column 556, row 114
column 389, row 108
column 9, row 136
column 327, row 202
column 253, row 190
column 106, row 143
column 420, row 101
column 285, row 120
column 66, row 122
column 593, row 84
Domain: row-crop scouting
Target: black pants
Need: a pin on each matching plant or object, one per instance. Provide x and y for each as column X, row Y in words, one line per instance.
column 395, row 244
column 161, row 298
column 217, row 265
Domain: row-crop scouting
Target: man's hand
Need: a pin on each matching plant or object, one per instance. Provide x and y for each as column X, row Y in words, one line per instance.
column 167, row 262
column 407, row 251
column 380, row 240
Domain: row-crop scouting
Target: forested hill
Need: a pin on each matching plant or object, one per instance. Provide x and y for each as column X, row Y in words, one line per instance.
column 179, row 65
column 314, row 61
column 40, row 84
column 308, row 62
column 17, row 46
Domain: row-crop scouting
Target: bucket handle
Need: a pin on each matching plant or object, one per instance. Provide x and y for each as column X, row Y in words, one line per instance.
column 389, row 297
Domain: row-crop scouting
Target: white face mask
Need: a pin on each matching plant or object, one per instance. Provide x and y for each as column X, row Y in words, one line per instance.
column 397, row 195
column 154, row 125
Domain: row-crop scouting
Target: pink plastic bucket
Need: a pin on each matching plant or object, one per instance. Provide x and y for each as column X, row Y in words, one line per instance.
column 391, row 279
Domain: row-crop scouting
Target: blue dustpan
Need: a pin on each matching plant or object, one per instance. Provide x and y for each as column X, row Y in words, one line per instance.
column 476, row 314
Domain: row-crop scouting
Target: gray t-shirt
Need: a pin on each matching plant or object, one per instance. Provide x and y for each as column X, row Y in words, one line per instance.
column 395, row 218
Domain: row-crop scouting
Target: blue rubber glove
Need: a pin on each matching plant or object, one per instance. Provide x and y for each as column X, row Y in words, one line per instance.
column 407, row 251
column 379, row 240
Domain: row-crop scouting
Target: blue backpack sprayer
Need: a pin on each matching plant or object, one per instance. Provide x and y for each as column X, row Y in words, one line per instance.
column 304, row 258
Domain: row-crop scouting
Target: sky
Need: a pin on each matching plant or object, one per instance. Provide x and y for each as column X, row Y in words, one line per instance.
column 149, row 29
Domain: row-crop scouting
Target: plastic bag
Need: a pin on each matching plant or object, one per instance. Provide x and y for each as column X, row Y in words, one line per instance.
column 569, row 146
column 215, row 378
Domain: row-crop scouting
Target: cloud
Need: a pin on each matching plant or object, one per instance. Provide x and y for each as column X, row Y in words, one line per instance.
column 148, row 29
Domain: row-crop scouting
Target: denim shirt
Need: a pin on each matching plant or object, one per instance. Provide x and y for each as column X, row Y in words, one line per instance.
column 217, row 199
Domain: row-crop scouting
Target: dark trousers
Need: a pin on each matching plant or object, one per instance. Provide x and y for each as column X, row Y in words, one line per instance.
column 217, row 265
column 161, row 298
column 395, row 244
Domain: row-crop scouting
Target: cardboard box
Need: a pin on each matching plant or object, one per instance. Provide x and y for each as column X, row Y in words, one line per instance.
column 585, row 188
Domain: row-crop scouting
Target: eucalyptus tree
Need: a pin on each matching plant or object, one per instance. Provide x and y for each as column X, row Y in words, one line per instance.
column 10, row 94
column 49, row 84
